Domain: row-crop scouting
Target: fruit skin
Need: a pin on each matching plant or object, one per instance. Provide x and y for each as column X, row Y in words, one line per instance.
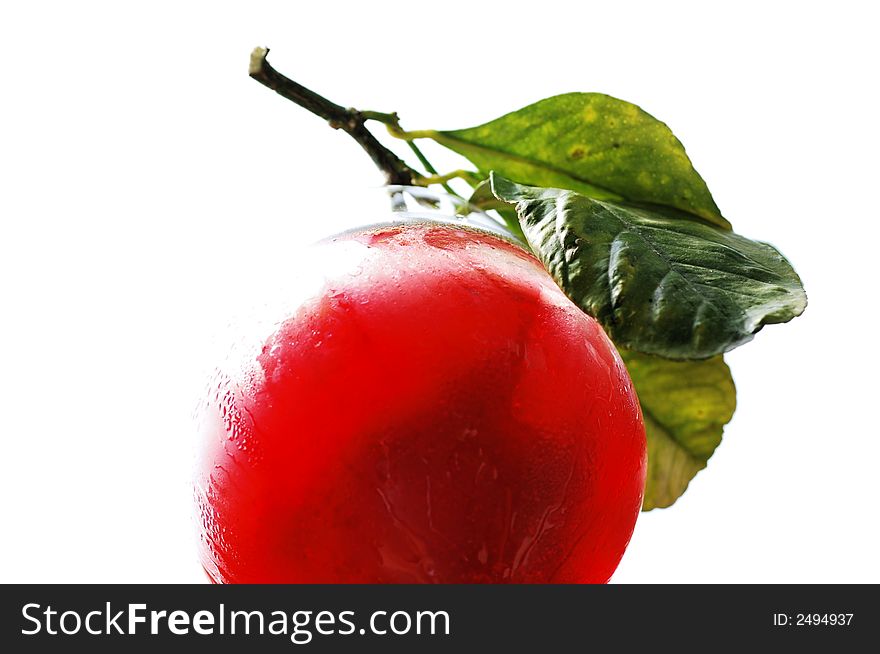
column 438, row 413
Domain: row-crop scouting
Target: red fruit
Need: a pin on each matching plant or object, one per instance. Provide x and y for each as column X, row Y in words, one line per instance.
column 439, row 412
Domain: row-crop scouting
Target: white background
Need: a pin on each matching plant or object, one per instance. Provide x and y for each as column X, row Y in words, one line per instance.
column 149, row 188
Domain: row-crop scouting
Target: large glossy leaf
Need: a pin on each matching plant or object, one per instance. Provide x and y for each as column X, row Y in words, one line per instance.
column 591, row 143
column 659, row 283
column 685, row 405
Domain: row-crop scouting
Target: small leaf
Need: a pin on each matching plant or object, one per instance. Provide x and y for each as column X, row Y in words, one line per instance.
column 685, row 405
column 483, row 198
column 658, row 281
column 591, row 143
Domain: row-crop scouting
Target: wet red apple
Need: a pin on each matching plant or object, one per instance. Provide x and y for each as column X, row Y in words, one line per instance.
column 437, row 412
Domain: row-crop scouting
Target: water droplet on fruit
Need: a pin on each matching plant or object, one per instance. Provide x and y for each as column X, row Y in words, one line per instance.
column 483, row 554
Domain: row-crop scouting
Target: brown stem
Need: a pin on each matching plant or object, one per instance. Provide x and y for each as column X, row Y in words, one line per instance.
column 351, row 121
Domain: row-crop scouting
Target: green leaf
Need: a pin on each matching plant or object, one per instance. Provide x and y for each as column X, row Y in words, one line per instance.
column 685, row 405
column 483, row 198
column 658, row 281
column 591, row 143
